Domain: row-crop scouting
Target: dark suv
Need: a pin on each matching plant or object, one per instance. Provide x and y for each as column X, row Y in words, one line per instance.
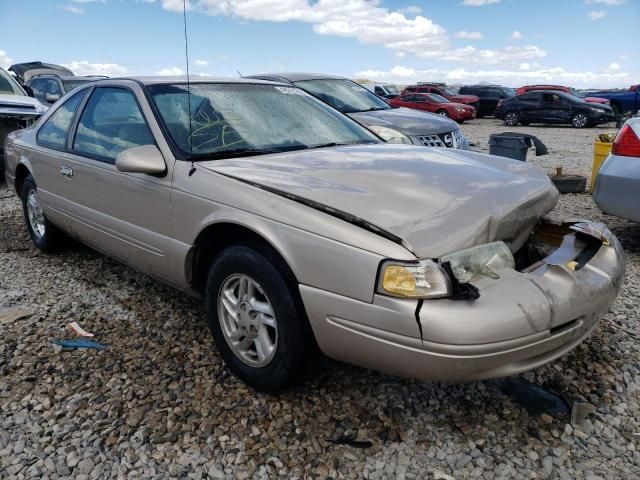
column 48, row 88
column 552, row 106
column 489, row 96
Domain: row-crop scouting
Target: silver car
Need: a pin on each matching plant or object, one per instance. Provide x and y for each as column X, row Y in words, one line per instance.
column 301, row 229
column 617, row 186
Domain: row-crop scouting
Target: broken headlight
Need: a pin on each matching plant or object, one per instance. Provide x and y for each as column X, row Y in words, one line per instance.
column 424, row 279
column 481, row 260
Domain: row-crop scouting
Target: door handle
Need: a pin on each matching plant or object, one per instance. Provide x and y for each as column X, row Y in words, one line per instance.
column 66, row 171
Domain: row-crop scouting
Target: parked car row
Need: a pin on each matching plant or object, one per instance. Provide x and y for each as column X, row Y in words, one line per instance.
column 522, row 108
column 302, row 229
column 552, row 106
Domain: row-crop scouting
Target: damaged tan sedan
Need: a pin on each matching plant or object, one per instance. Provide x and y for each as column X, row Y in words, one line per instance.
column 301, row 229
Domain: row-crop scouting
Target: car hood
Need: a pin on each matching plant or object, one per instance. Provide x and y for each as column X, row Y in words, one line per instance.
column 434, row 201
column 596, row 100
column 408, row 121
column 464, row 98
column 21, row 105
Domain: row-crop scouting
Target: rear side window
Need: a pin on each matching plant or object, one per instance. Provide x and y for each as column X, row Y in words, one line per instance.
column 111, row 122
column 54, row 132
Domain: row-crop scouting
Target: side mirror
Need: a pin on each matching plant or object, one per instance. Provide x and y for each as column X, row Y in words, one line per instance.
column 145, row 159
column 52, row 97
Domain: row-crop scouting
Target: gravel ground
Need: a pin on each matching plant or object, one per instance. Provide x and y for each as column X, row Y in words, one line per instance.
column 159, row 402
column 569, row 148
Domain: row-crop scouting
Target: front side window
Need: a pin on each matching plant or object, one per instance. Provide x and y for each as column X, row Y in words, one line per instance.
column 392, row 89
column 343, row 95
column 8, row 86
column 250, row 119
column 529, row 98
column 54, row 132
column 438, row 98
column 111, row 122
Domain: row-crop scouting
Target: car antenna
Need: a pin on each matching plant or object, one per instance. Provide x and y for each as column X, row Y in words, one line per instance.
column 186, row 54
column 239, row 74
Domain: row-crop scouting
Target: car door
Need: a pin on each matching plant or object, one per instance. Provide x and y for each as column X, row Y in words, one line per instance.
column 419, row 103
column 403, row 101
column 554, row 108
column 126, row 215
column 530, row 107
column 47, row 160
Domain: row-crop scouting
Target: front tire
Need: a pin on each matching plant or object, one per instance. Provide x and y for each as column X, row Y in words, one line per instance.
column 580, row 120
column 256, row 318
column 443, row 113
column 45, row 236
column 511, row 119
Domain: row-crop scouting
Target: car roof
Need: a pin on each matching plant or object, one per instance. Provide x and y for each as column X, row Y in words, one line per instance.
column 164, row 80
column 553, row 92
column 290, row 77
column 69, row 77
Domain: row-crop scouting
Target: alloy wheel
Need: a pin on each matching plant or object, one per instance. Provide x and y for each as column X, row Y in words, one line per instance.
column 247, row 319
column 580, row 120
column 511, row 119
column 35, row 214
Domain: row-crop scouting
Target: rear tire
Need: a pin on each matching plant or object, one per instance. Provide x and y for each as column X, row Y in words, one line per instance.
column 257, row 319
column 44, row 235
column 511, row 118
column 580, row 120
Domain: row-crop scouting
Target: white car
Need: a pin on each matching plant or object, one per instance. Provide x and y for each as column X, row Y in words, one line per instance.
column 617, row 188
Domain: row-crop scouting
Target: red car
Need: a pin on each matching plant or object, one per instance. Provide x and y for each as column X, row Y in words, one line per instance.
column 569, row 90
column 431, row 102
column 447, row 92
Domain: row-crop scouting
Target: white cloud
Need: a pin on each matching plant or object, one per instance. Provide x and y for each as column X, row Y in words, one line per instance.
column 84, row 67
column 524, row 66
column 405, row 75
column 88, row 1
column 614, row 67
column 411, row 10
column 170, row 72
column 201, row 63
column 611, row 3
column 365, row 20
column 463, row 34
column 5, row 59
column 516, row 35
column 72, row 9
column 597, row 14
column 478, row 3
column 624, row 57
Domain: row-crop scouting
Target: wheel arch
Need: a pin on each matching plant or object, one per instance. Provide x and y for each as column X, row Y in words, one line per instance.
column 22, row 171
column 216, row 236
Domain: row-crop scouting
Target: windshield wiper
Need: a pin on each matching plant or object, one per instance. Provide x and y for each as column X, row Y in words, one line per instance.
column 233, row 153
column 336, row 144
column 373, row 109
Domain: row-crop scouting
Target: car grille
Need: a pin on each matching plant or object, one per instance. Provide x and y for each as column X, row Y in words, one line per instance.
column 442, row 140
column 431, row 141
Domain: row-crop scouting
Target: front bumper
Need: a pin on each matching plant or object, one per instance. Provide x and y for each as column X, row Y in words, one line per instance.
column 604, row 117
column 520, row 322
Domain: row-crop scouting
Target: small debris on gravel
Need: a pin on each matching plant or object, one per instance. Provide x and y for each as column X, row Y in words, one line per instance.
column 159, row 403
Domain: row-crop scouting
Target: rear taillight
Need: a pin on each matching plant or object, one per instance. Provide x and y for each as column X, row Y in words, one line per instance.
column 627, row 143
